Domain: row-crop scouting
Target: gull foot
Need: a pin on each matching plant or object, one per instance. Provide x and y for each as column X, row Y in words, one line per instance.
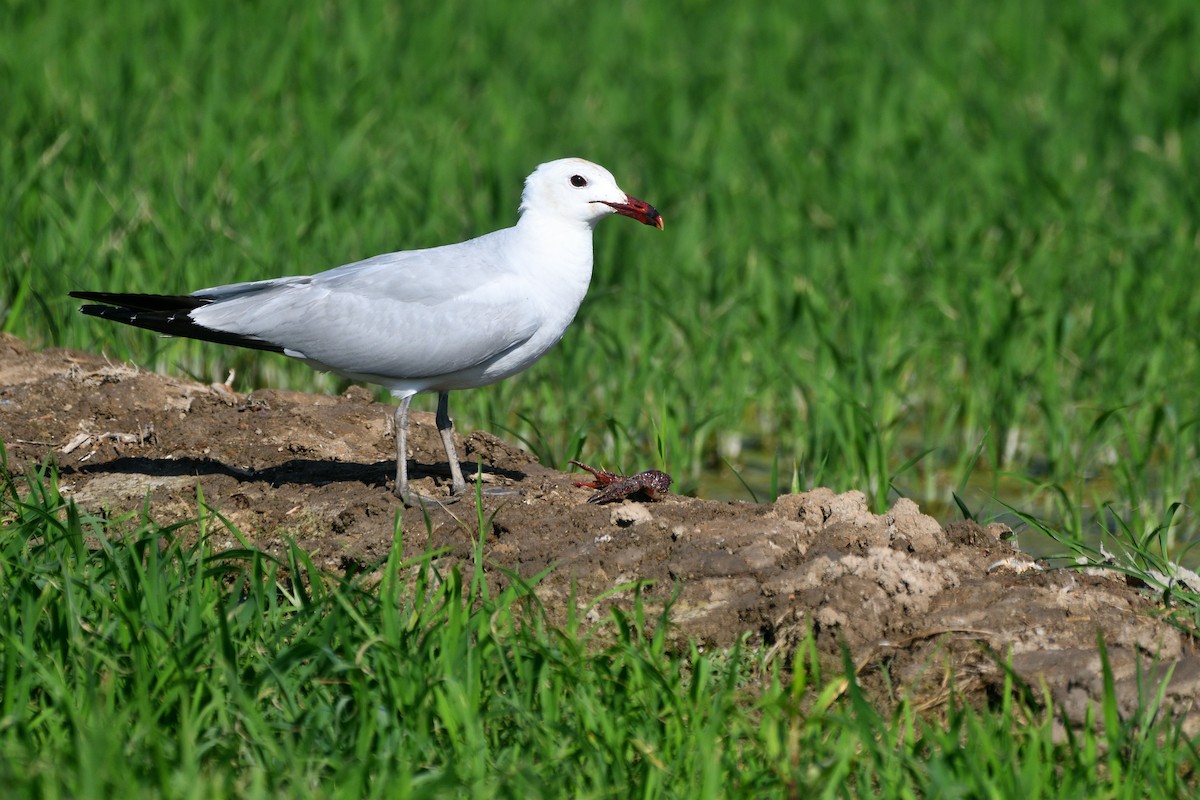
column 413, row 499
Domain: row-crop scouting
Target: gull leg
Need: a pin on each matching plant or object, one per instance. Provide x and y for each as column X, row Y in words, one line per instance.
column 402, row 449
column 409, row 498
column 446, row 429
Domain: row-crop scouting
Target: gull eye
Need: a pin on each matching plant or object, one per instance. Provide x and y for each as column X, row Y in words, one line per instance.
column 578, row 181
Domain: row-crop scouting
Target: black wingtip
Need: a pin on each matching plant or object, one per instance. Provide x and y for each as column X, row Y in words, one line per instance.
column 166, row 314
column 144, row 302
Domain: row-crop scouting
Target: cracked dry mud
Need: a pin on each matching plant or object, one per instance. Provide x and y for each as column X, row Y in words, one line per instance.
column 918, row 606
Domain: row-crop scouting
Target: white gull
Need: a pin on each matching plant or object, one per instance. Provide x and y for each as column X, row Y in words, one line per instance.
column 435, row 320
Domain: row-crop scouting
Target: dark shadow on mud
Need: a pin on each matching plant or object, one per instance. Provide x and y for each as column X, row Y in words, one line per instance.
column 296, row 471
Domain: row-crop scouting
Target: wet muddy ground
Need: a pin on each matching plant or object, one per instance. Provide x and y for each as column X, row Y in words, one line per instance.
column 919, row 606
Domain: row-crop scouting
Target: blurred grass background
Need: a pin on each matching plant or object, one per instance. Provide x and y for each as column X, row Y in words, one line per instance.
column 919, row 248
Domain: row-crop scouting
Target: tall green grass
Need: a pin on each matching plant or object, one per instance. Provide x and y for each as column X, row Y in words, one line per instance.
column 146, row 661
column 895, row 230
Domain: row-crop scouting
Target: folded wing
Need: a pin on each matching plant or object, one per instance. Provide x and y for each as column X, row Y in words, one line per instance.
column 412, row 314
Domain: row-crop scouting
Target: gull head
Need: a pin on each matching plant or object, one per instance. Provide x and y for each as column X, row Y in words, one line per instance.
column 580, row 191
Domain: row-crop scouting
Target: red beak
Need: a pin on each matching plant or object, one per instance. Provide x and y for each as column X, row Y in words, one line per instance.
column 640, row 210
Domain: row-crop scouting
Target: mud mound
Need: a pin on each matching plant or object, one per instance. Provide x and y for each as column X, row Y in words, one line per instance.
column 918, row 606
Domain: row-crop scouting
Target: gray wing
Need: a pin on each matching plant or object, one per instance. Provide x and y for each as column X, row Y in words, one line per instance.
column 411, row 314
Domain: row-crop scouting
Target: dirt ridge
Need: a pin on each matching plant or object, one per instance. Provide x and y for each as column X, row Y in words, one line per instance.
column 919, row 606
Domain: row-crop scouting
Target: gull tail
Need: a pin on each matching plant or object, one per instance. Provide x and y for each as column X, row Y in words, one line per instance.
column 166, row 314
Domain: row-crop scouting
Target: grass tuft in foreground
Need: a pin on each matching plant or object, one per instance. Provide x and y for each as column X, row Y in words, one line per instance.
column 146, row 660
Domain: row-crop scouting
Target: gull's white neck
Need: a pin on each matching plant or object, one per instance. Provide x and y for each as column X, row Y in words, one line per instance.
column 558, row 250
column 555, row 255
